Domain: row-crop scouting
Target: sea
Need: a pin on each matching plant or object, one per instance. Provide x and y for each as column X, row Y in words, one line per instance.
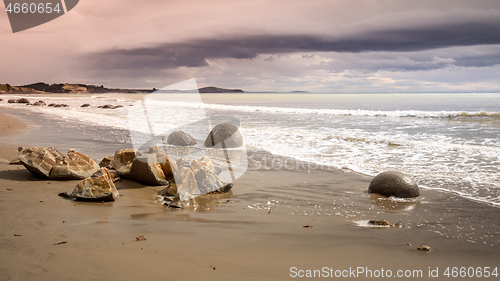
column 445, row 141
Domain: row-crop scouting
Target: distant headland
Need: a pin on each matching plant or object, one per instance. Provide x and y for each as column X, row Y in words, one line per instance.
column 66, row 88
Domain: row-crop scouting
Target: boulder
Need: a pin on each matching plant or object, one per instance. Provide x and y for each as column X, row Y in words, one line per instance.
column 117, row 106
column 181, row 163
column 108, row 162
column 225, row 135
column 123, row 160
column 146, row 169
column 52, row 104
column 203, row 162
column 74, row 166
column 187, row 188
column 39, row 161
column 39, row 103
column 11, row 101
column 168, row 166
column 181, row 139
column 85, row 105
column 57, row 105
column 209, row 182
column 394, row 184
column 23, row 100
column 1, row 99
column 106, row 106
column 98, row 187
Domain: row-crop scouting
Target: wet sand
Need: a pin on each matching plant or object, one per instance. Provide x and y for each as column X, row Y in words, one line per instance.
column 255, row 232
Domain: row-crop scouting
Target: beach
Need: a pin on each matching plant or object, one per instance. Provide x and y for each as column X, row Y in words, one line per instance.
column 283, row 219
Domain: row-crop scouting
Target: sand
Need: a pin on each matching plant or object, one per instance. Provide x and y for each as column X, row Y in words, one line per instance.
column 255, row 232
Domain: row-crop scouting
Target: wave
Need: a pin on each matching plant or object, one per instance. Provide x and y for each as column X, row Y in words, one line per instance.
column 344, row 112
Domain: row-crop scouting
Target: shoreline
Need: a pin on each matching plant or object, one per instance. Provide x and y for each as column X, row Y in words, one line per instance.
column 254, row 232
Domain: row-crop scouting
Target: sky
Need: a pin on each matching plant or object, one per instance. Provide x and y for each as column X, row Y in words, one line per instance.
column 273, row 45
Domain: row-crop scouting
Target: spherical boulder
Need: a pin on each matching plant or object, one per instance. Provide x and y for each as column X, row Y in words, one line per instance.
column 23, row 100
column 225, row 135
column 394, row 184
column 181, row 139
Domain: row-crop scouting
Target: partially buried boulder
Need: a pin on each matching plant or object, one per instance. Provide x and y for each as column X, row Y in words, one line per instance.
column 394, row 184
column 39, row 161
column 11, row 101
column 98, row 187
column 225, row 135
column 39, row 103
column 23, row 100
column 74, row 166
column 181, row 138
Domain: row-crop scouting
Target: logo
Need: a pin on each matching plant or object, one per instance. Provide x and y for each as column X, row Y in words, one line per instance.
column 179, row 107
column 25, row 14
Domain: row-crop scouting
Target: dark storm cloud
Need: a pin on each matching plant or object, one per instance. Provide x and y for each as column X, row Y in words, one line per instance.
column 194, row 53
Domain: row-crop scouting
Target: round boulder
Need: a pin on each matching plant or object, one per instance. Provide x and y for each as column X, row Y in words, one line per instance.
column 180, row 138
column 394, row 184
column 23, row 100
column 39, row 103
column 225, row 135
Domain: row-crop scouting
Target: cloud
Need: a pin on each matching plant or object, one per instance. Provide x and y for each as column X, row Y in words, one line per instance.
column 195, row 53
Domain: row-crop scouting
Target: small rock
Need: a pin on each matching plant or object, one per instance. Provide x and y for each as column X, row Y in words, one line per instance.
column 394, row 184
column 181, row 139
column 15, row 162
column 225, row 135
column 85, row 105
column 379, row 223
column 424, row 248
column 108, row 162
column 117, row 106
column 52, row 104
column 11, row 101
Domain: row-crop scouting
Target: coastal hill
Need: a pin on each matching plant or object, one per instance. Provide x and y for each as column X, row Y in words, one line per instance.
column 41, row 88
column 218, row 90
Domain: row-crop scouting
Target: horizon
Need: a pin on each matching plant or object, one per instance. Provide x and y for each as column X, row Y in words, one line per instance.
column 318, row 46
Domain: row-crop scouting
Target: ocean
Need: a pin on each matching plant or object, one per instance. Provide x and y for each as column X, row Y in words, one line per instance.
column 445, row 141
